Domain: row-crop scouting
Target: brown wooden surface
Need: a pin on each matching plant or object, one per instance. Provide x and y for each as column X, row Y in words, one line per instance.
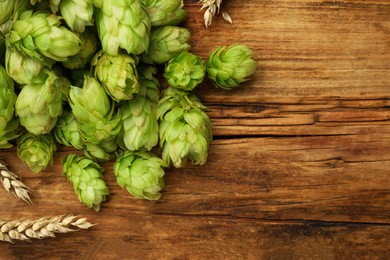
column 300, row 164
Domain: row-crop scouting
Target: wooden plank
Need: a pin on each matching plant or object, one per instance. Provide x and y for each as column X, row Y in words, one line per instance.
column 181, row 237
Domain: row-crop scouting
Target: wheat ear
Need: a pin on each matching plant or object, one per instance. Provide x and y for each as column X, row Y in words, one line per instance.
column 13, row 184
column 40, row 228
column 213, row 7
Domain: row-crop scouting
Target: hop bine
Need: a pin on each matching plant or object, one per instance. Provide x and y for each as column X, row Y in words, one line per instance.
column 165, row 43
column 185, row 71
column 122, row 24
column 228, row 66
column 36, row 151
column 8, row 122
column 139, row 121
column 140, row 173
column 13, row 183
column 87, row 180
column 162, row 12
column 185, row 128
column 24, row 230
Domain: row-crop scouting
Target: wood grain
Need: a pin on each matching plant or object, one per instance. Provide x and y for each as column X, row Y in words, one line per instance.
column 300, row 163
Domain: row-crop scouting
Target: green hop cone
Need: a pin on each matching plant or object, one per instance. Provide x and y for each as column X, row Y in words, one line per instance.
column 66, row 131
column 22, row 68
column 96, row 114
column 122, row 24
column 37, row 151
column 185, row 71
column 118, row 75
column 41, row 36
column 162, row 12
column 185, row 128
column 228, row 66
column 39, row 105
column 8, row 122
column 139, row 121
column 77, row 14
column 140, row 173
column 12, row 8
column 85, row 55
column 165, row 43
column 103, row 151
column 87, row 180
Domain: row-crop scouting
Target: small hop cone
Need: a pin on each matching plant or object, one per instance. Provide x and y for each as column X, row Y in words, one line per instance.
column 122, row 24
column 118, row 75
column 39, row 105
column 162, row 12
column 87, row 180
column 185, row 71
column 66, row 131
column 185, row 128
column 139, row 121
column 77, row 14
column 96, row 115
column 165, row 43
column 228, row 66
column 140, row 173
column 41, row 36
column 102, row 151
column 8, row 122
column 36, row 151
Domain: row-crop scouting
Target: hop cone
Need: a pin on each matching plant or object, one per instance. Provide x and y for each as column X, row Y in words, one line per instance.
column 22, row 68
column 228, row 66
column 66, row 131
column 86, row 54
column 39, row 105
column 139, row 121
column 11, row 8
column 77, row 13
column 185, row 129
column 185, row 71
column 140, row 173
column 102, row 151
column 87, row 180
column 162, row 12
column 37, row 151
column 165, row 43
column 8, row 123
column 40, row 36
column 118, row 75
column 94, row 111
column 122, row 24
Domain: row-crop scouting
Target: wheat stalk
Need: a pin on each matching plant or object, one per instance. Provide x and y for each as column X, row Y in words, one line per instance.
column 40, row 228
column 213, row 7
column 13, row 184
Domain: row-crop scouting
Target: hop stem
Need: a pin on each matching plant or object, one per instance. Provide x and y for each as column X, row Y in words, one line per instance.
column 40, row 228
column 13, row 184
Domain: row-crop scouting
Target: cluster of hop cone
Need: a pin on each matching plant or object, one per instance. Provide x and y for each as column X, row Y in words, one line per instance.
column 83, row 73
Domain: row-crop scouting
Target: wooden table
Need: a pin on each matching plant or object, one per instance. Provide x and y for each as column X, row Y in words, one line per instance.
column 300, row 162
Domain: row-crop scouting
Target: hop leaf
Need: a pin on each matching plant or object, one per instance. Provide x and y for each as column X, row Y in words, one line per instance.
column 36, row 151
column 87, row 180
column 185, row 128
column 185, row 71
column 140, row 173
column 228, row 66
